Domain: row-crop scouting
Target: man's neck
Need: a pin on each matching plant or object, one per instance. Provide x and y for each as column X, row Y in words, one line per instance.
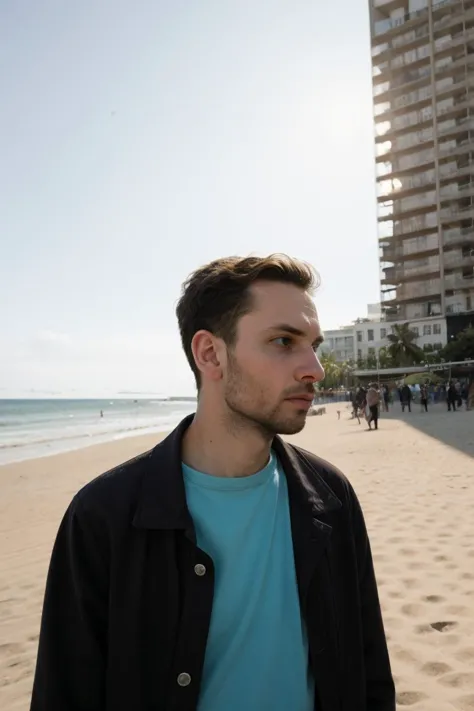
column 214, row 446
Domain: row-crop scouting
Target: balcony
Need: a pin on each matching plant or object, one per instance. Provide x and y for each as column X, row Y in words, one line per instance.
column 464, row 124
column 457, row 281
column 459, row 106
column 461, row 148
column 397, row 250
column 458, row 171
column 456, row 191
column 458, row 236
column 401, row 83
column 456, row 260
column 453, row 66
column 456, row 214
column 400, row 273
column 383, row 27
column 418, row 290
column 455, row 17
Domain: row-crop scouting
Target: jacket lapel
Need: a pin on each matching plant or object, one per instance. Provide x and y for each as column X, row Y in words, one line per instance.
column 311, row 500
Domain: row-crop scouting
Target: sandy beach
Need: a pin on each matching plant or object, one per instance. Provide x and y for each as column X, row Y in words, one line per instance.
column 414, row 478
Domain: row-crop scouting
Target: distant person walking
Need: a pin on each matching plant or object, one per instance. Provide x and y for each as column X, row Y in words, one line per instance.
column 386, row 398
column 406, row 397
column 373, row 401
column 424, row 397
column 451, row 397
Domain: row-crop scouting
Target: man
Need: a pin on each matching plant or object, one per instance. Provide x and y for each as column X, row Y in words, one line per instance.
column 452, row 397
column 373, row 400
column 406, row 397
column 424, row 395
column 225, row 569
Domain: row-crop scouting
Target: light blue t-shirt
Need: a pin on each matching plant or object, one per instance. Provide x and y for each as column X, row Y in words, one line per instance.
column 257, row 651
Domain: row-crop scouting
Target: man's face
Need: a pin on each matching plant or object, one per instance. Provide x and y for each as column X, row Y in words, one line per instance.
column 270, row 371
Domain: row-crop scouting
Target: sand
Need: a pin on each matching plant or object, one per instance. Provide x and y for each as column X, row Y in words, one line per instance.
column 414, row 479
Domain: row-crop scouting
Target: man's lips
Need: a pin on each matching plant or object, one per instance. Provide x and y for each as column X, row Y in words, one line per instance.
column 303, row 398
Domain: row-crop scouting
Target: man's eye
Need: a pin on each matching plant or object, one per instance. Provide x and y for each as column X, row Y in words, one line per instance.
column 283, row 341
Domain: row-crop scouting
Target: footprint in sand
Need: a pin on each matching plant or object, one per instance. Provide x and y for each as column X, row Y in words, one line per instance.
column 466, row 655
column 407, row 552
column 457, row 610
column 435, row 668
column 395, row 594
column 443, row 626
column 409, row 698
column 465, row 703
column 458, row 680
column 404, row 655
column 434, row 598
column 412, row 610
column 10, row 648
column 415, row 565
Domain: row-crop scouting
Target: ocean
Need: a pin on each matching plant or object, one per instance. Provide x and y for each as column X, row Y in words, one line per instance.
column 36, row 428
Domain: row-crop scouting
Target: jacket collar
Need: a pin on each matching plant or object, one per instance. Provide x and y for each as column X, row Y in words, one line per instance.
column 162, row 498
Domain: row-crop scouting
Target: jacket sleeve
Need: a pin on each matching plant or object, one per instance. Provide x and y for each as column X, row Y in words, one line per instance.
column 70, row 668
column 380, row 688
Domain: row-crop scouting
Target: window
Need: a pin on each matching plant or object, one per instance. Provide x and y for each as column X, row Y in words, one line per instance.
column 427, row 330
column 370, row 334
column 371, row 352
column 359, row 354
column 359, row 336
column 437, row 329
column 383, row 332
column 415, row 330
column 437, row 346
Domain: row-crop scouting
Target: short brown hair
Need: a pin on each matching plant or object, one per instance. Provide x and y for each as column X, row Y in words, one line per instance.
column 216, row 295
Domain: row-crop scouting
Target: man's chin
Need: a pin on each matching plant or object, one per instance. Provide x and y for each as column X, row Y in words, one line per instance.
column 291, row 428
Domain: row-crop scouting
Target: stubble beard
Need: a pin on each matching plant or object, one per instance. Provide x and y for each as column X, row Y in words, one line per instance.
column 247, row 407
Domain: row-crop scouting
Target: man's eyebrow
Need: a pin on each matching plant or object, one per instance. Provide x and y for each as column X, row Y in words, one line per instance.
column 287, row 328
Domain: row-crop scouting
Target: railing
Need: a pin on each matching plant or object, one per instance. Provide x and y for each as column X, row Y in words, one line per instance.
column 457, row 193
column 457, row 212
column 384, row 26
column 455, row 236
column 454, row 149
column 414, row 291
column 456, row 281
column 465, row 124
column 455, row 261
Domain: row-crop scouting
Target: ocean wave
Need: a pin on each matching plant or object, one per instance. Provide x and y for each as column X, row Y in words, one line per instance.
column 157, row 426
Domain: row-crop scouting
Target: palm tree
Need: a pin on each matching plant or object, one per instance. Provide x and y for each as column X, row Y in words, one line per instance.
column 385, row 359
column 402, row 349
column 332, row 369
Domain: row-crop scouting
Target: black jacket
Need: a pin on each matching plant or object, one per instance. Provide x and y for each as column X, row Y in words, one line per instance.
column 127, row 611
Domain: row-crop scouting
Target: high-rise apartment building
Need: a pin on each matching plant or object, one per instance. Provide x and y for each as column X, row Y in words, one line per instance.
column 423, row 89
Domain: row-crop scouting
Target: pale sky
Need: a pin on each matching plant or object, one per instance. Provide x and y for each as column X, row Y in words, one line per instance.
column 140, row 139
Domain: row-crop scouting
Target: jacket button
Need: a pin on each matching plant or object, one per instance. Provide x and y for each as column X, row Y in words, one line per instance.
column 200, row 569
column 184, row 679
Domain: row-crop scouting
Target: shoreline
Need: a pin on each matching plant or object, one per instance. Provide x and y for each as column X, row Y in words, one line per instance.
column 99, row 440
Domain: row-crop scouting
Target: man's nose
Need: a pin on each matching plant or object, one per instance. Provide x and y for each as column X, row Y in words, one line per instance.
column 311, row 370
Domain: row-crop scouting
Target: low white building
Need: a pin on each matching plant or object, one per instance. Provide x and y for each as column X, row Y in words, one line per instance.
column 371, row 336
column 341, row 342
column 367, row 336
